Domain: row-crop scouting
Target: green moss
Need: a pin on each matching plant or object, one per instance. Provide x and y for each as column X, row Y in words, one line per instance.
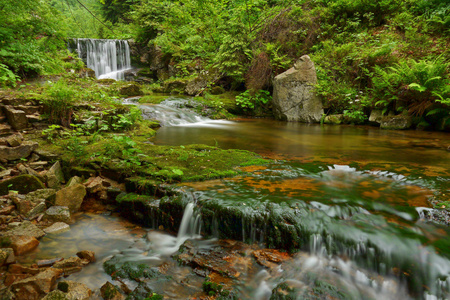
column 211, row 288
column 154, row 98
column 129, row 270
column 22, row 184
column 63, row 286
column 445, row 204
column 155, row 297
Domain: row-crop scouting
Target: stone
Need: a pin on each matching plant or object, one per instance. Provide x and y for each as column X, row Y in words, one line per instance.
column 45, row 155
column 175, row 85
column 46, row 195
column 23, row 244
column 293, row 93
column 15, row 153
column 23, row 184
column 7, row 210
column 26, row 229
column 56, row 295
column 16, row 118
column 38, row 209
column 19, row 269
column 5, row 173
column 74, row 180
column 111, row 292
column 196, row 85
column 399, row 122
column 77, row 290
column 57, row 227
column 36, row 287
column 14, row 140
column 270, row 257
column 7, row 256
column 56, row 173
column 86, row 254
column 334, row 119
column 96, row 184
column 70, row 262
column 375, row 116
column 52, row 182
column 57, row 214
column 48, row 262
column 71, row 196
column 131, row 90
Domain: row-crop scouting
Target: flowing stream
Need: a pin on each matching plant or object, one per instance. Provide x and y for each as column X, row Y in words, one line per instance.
column 353, row 199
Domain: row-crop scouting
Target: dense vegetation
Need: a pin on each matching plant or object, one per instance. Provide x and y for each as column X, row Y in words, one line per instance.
column 392, row 55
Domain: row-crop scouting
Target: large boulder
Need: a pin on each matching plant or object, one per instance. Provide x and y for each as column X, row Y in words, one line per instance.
column 22, row 244
column 398, row 122
column 22, row 151
column 36, row 287
column 293, row 93
column 71, row 196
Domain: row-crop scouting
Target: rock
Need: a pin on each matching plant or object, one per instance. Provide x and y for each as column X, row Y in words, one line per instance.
column 57, row 227
column 36, row 287
column 55, row 176
column 7, row 256
column 140, row 292
column 23, row 244
column 7, row 210
column 57, row 214
column 270, row 257
column 131, row 90
column 70, row 262
column 32, row 172
column 45, row 155
column 175, row 85
column 38, row 209
column 86, row 254
column 111, row 292
column 48, row 262
column 196, row 85
column 23, row 184
column 14, row 140
column 56, row 295
column 19, row 269
column 77, row 291
column 74, row 180
column 16, row 118
column 14, row 153
column 398, row 122
column 96, row 184
column 293, row 93
column 26, row 229
column 375, row 116
column 46, row 195
column 334, row 119
column 71, row 196
column 5, row 173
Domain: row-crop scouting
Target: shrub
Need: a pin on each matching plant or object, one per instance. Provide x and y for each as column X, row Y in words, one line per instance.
column 58, row 102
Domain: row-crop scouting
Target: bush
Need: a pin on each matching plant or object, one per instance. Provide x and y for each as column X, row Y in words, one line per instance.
column 58, row 102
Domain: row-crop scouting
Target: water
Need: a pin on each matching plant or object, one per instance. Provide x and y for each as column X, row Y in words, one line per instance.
column 353, row 199
column 108, row 58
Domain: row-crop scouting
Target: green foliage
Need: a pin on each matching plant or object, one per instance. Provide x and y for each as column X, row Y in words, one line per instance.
column 58, row 101
column 7, row 77
column 416, row 84
column 248, row 101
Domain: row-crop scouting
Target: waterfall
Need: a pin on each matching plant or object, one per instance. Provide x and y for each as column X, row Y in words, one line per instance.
column 108, row 58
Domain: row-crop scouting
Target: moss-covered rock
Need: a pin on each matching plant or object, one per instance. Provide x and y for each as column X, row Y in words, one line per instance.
column 23, row 184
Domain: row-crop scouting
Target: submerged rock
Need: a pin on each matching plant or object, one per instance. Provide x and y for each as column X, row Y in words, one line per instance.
column 57, row 227
column 293, row 93
column 57, row 214
column 23, row 244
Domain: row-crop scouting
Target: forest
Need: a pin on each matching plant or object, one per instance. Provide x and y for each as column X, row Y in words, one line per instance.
column 390, row 55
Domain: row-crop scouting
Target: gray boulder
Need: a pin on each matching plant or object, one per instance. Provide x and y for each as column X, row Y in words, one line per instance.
column 57, row 227
column 22, row 151
column 293, row 93
column 399, row 122
column 57, row 214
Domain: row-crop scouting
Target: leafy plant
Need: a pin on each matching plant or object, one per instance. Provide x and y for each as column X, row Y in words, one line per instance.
column 248, row 101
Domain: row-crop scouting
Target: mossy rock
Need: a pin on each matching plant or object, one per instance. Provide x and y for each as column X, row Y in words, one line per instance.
column 131, row 90
column 23, row 184
column 217, row 90
column 130, row 270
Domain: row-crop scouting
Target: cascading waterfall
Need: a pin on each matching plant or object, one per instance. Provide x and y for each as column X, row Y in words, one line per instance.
column 108, row 58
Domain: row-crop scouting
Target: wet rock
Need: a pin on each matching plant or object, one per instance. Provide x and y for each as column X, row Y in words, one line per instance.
column 36, row 210
column 36, row 287
column 175, row 85
column 71, row 196
column 56, row 295
column 131, row 90
column 398, row 122
column 77, row 290
column 19, row 269
column 23, row 244
column 57, row 227
column 15, row 153
column 16, row 118
column 7, row 256
column 376, row 115
column 293, row 93
column 26, row 228
column 270, row 257
column 45, row 155
column 48, row 262
column 111, row 292
column 140, row 292
column 69, row 265
column 334, row 119
column 57, row 214
column 46, row 195
column 130, row 270
column 23, row 184
column 86, row 254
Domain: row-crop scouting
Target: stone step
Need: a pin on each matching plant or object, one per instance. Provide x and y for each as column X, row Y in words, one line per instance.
column 18, row 101
column 34, row 118
column 5, row 129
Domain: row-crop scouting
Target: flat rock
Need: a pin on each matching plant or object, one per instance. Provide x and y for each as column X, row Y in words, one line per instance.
column 36, row 287
column 86, row 254
column 77, row 290
column 22, row 151
column 7, row 210
column 48, row 262
column 16, row 118
column 71, row 196
column 46, row 195
column 57, row 227
column 26, row 229
column 14, row 140
column 70, row 262
column 111, row 292
column 57, row 214
column 46, row 155
column 7, row 256
column 23, row 244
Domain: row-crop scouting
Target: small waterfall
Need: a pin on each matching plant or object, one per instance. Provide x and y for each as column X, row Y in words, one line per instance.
column 108, row 58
